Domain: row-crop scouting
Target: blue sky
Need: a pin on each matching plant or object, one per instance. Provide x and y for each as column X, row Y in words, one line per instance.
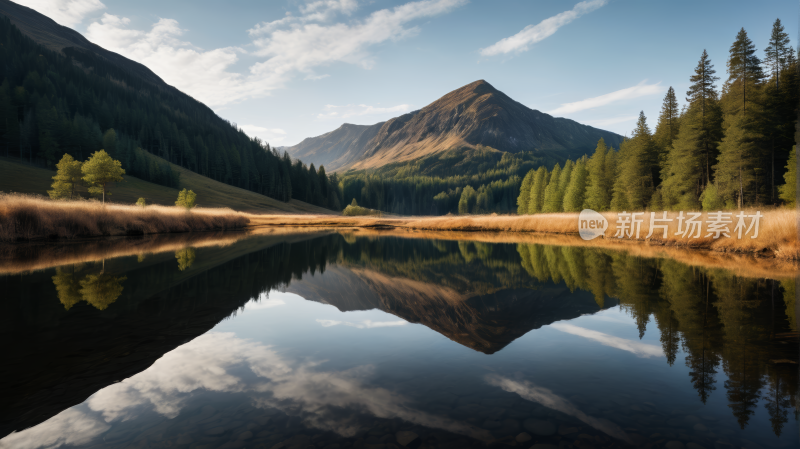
column 284, row 70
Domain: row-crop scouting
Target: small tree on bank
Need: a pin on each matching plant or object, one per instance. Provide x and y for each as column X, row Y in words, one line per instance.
column 186, row 198
column 141, row 202
column 67, row 178
column 99, row 171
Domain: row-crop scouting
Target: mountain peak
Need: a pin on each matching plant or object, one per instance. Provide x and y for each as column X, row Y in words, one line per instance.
column 474, row 114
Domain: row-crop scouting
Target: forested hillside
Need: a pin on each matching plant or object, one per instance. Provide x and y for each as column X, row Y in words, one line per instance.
column 78, row 101
column 479, row 180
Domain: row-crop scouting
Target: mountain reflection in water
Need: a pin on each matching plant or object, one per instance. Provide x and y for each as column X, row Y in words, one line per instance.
column 118, row 353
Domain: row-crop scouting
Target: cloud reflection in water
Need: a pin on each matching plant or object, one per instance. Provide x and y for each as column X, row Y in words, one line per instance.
column 211, row 362
column 547, row 398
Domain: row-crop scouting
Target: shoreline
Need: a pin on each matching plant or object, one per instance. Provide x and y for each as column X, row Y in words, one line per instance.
column 777, row 234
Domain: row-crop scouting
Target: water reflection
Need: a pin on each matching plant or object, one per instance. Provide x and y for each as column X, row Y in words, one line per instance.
column 128, row 345
column 100, row 290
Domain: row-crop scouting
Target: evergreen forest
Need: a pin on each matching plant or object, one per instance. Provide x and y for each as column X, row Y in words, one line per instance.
column 723, row 149
column 77, row 103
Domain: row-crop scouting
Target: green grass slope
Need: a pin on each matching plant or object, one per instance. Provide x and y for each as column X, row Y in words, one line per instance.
column 22, row 178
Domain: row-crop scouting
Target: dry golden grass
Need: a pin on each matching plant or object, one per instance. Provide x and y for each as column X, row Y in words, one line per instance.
column 777, row 235
column 26, row 217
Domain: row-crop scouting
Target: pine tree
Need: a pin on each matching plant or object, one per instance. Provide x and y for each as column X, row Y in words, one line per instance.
column 576, row 190
column 536, row 199
column 99, row 171
column 67, row 178
column 777, row 52
column 525, row 193
column 702, row 94
column 744, row 69
column 637, row 169
column 739, row 152
column 563, row 181
column 682, row 176
column 598, row 192
column 734, row 171
column 667, row 127
column 780, row 99
column 553, row 202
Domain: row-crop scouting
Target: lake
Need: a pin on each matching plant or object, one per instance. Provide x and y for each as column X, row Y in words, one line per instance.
column 318, row 339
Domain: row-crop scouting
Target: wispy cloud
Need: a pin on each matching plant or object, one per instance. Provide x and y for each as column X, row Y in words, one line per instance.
column 291, row 47
column 547, row 398
column 356, row 110
column 65, row 12
column 366, row 324
column 639, row 349
column 272, row 135
column 532, row 34
column 639, row 90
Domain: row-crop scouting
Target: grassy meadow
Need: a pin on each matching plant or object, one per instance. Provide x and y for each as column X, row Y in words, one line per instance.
column 18, row 177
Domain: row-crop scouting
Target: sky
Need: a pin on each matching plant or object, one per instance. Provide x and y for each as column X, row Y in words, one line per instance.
column 284, row 70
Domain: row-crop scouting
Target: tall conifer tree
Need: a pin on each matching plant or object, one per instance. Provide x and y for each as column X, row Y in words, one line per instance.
column 536, row 200
column 576, row 190
column 552, row 201
column 667, row 127
column 598, row 192
column 703, row 96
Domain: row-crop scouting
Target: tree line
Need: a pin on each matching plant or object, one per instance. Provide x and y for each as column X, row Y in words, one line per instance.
column 477, row 180
column 723, row 150
column 76, row 102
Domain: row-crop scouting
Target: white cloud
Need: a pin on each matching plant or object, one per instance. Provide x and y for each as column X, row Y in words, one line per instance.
column 628, row 93
column 636, row 348
column 532, row 34
column 366, row 324
column 287, row 47
column 356, row 110
column 547, row 398
column 71, row 427
column 65, row 12
column 304, row 46
column 203, row 74
column 271, row 135
column 322, row 10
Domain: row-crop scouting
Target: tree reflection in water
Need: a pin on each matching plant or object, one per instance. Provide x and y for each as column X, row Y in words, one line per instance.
column 99, row 290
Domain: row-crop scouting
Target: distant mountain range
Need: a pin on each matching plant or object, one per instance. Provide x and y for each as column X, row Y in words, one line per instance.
column 475, row 114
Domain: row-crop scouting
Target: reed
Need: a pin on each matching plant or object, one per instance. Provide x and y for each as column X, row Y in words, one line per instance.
column 28, row 217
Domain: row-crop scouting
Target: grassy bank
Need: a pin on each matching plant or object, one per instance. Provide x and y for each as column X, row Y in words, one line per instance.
column 18, row 177
column 25, row 217
column 777, row 235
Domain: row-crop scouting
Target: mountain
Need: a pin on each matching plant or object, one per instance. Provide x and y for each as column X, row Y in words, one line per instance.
column 61, row 94
column 473, row 115
column 55, row 37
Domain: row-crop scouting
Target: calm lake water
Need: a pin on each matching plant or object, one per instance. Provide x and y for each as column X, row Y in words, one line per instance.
column 322, row 340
